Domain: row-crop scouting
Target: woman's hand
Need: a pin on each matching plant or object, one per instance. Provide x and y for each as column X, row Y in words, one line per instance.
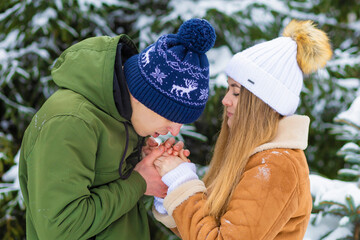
column 173, row 155
column 166, row 162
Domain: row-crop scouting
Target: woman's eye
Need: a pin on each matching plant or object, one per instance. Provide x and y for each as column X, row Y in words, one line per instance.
column 236, row 92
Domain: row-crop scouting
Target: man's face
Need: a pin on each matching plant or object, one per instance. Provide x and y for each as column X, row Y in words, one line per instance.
column 146, row 122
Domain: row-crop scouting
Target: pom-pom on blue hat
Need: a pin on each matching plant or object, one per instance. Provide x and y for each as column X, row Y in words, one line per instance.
column 171, row 76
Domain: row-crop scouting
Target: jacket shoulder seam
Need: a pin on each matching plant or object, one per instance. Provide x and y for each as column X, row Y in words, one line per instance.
column 50, row 119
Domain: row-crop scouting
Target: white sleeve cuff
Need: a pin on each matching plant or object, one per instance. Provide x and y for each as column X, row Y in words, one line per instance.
column 159, row 205
column 181, row 174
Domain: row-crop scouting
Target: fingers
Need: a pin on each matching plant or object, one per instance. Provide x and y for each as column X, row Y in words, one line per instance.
column 161, row 195
column 163, row 191
column 159, row 167
column 170, row 151
column 155, row 153
column 151, row 142
column 186, row 152
column 146, row 151
column 182, row 156
column 169, row 142
column 170, row 148
column 178, row 146
column 157, row 164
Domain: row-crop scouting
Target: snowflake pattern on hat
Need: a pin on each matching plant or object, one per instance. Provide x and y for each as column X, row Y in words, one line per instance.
column 158, row 75
column 204, row 94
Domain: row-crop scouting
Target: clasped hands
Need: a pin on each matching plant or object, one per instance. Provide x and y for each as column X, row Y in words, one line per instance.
column 159, row 160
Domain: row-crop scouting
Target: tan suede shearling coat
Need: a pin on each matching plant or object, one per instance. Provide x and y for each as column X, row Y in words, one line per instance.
column 272, row 200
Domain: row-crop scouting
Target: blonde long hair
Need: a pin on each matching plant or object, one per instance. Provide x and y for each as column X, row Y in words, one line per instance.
column 254, row 123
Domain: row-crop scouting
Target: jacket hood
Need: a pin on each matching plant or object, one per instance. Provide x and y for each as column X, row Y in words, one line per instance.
column 88, row 69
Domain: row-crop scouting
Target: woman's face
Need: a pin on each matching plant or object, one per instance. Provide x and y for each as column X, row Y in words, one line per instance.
column 230, row 100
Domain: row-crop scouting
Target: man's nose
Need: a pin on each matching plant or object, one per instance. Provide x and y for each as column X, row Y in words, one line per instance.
column 175, row 129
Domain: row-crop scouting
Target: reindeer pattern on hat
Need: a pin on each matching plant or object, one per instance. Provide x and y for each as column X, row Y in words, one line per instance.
column 145, row 58
column 191, row 85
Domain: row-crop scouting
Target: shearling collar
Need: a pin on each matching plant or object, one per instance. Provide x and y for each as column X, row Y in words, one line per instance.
column 292, row 133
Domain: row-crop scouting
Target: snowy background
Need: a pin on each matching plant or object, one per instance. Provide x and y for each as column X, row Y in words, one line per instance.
column 34, row 33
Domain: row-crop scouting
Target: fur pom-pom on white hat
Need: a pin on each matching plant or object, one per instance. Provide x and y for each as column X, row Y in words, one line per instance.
column 273, row 70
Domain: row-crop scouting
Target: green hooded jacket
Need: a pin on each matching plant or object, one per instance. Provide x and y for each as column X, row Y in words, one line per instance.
column 71, row 151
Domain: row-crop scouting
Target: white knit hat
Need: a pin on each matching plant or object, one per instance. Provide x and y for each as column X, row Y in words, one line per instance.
column 271, row 71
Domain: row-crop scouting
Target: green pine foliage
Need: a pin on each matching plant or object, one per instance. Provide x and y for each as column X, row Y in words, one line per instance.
column 348, row 129
column 34, row 33
column 12, row 221
column 348, row 214
column 351, row 153
column 346, row 206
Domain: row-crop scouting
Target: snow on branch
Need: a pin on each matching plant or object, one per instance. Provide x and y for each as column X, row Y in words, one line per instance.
column 13, row 104
column 352, row 115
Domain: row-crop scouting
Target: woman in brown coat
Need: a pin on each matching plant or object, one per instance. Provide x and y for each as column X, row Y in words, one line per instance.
column 257, row 185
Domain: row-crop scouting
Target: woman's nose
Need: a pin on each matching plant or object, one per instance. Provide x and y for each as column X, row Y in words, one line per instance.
column 226, row 101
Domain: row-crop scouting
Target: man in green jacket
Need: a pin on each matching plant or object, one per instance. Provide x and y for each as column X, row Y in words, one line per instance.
column 81, row 174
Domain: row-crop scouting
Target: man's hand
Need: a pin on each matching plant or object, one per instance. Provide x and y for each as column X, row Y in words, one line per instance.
column 146, row 168
column 149, row 146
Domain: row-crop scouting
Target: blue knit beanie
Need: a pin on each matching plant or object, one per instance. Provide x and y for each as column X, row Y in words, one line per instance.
column 171, row 76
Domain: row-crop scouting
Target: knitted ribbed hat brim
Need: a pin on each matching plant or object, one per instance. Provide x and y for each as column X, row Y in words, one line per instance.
column 155, row 100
